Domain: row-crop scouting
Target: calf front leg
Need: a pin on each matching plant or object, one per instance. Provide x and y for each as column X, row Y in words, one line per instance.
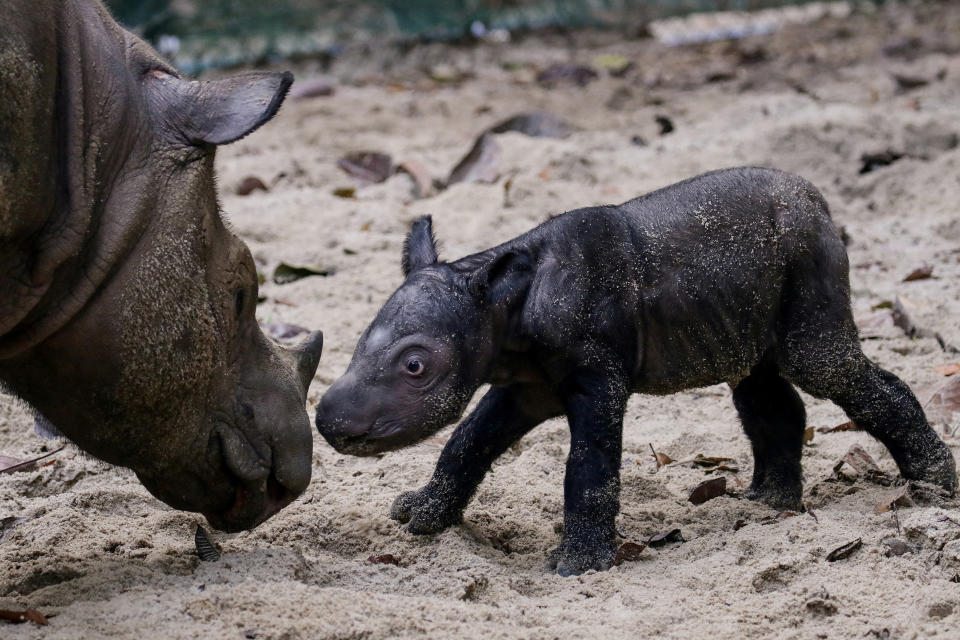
column 503, row 416
column 595, row 405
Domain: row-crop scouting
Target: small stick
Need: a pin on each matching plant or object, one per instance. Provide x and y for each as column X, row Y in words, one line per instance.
column 896, row 518
column 27, row 463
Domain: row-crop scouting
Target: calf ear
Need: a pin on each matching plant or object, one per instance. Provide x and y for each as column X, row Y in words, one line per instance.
column 216, row 111
column 420, row 247
column 503, row 280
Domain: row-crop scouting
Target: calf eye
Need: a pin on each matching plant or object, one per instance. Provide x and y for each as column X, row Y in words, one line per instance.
column 414, row 366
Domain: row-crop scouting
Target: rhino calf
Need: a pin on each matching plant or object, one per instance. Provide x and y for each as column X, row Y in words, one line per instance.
column 735, row 276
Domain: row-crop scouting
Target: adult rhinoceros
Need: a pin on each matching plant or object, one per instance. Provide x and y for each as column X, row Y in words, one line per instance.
column 126, row 306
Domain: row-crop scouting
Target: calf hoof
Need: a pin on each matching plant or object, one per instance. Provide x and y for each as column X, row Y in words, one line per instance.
column 572, row 560
column 423, row 512
column 779, row 498
column 937, row 468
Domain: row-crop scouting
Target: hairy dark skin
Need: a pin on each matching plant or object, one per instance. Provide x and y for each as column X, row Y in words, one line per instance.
column 735, row 276
column 127, row 307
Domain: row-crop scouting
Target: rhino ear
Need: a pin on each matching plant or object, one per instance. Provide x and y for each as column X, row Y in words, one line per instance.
column 420, row 247
column 217, row 111
column 503, row 280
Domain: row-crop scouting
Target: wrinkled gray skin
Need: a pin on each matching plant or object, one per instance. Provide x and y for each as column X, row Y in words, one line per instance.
column 126, row 306
column 735, row 276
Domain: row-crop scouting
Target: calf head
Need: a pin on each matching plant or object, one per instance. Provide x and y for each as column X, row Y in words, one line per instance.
column 163, row 367
column 427, row 351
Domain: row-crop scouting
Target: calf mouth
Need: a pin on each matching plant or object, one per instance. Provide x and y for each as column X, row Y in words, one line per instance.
column 380, row 437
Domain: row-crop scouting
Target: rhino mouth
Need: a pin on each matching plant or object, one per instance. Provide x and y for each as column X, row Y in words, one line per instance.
column 252, row 505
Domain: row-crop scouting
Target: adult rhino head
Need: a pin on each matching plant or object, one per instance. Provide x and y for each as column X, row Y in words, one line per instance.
column 126, row 305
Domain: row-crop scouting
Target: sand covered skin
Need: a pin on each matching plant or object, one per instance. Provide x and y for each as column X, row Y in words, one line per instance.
column 104, row 559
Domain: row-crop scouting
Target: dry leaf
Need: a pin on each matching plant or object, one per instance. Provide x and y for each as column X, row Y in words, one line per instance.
column 312, row 88
column 285, row 273
column 808, row 435
column 665, row 538
column 480, row 163
column 708, row 490
column 877, row 324
column 896, row 498
column 920, row 273
column 944, row 402
column 11, row 465
column 663, row 459
column 783, row 515
column 845, row 551
column 948, row 369
column 345, row 192
column 863, row 464
column 561, row 73
column 421, row 178
column 369, row 166
column 710, row 461
column 284, row 331
column 628, row 552
column 250, row 184
column 27, row 615
column 535, row 125
column 739, row 524
column 846, row 426
column 386, row 558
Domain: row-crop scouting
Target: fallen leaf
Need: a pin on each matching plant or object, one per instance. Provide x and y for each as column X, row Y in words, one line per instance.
column 846, row 426
column 7, row 524
column 345, row 192
column 871, row 161
column 665, row 538
column 663, row 459
column 535, row 125
column 11, row 465
column 897, row 498
column 369, row 166
column 844, row 551
column 422, row 179
column 908, row 83
column 944, row 402
column 948, row 369
column 920, row 273
column 559, row 74
column 783, row 515
column 708, row 490
column 615, row 64
column 877, row 324
column 312, row 88
column 863, row 464
column 285, row 273
column 808, row 435
column 27, row 615
column 284, row 331
column 666, row 125
column 722, row 467
column 480, row 163
column 250, row 184
column 628, row 552
column 206, row 548
column 710, row 461
column 386, row 558
column 739, row 524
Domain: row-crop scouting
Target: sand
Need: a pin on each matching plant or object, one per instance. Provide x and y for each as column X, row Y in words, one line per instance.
column 104, row 559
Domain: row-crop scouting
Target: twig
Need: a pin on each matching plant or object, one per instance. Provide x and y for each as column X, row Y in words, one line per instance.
column 896, row 518
column 26, row 463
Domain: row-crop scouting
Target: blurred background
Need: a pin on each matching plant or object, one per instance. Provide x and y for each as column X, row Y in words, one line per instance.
column 223, row 33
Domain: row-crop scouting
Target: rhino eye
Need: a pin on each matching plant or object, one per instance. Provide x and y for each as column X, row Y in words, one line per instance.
column 414, row 366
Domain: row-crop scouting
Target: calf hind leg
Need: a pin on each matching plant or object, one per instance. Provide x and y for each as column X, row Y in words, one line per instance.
column 774, row 419
column 880, row 403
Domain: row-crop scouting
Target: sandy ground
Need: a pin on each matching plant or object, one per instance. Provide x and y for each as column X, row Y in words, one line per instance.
column 104, row 559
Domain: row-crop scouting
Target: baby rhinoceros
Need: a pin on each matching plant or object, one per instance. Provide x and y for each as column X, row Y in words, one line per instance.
column 735, row 276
